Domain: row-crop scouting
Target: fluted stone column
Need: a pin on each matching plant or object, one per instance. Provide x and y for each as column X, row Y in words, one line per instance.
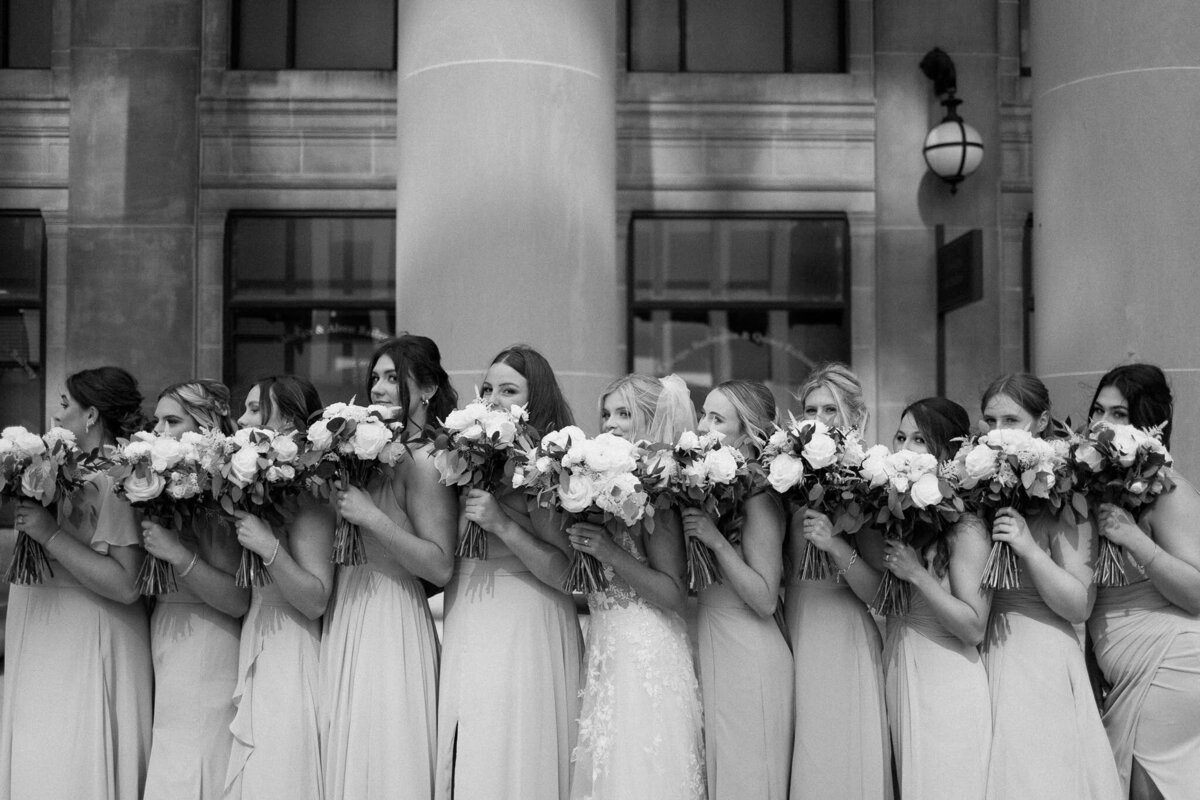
column 505, row 198
column 132, row 187
column 1116, row 179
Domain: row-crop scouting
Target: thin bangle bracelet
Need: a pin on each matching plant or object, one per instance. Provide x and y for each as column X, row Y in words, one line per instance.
column 271, row 560
column 191, row 565
column 57, row 531
column 1149, row 561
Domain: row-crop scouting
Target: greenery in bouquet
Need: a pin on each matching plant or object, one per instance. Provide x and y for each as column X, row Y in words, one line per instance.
column 813, row 465
column 902, row 491
column 1012, row 468
column 699, row 471
column 48, row 469
column 584, row 478
column 1127, row 467
column 350, row 445
column 474, row 450
column 258, row 474
column 168, row 480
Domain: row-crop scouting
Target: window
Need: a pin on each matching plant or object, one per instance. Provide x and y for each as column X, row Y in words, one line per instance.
column 741, row 297
column 22, row 297
column 314, row 34
column 25, row 30
column 742, row 36
column 308, row 294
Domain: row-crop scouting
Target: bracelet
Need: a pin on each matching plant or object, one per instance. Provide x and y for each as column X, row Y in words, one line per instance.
column 57, row 531
column 191, row 566
column 271, row 560
column 849, row 564
column 1142, row 567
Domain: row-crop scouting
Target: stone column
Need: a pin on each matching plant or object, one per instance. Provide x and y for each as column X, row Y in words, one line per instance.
column 505, row 190
column 1117, row 225
column 134, row 71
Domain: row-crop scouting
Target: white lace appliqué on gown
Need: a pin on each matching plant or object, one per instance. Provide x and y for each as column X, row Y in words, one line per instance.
column 641, row 725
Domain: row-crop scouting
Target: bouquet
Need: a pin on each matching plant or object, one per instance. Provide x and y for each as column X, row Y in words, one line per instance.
column 813, row 465
column 581, row 476
column 47, row 469
column 1125, row 466
column 1009, row 467
column 903, row 490
column 257, row 474
column 167, row 479
column 473, row 451
column 699, row 472
column 351, row 443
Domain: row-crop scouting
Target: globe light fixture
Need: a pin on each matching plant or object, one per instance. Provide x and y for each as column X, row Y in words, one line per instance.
column 953, row 149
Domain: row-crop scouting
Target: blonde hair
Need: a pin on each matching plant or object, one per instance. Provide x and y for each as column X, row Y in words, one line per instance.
column 755, row 407
column 205, row 401
column 660, row 409
column 846, row 389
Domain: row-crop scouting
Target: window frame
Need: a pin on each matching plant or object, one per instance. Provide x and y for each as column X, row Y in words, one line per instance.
column 290, row 43
column 681, row 62
column 633, row 305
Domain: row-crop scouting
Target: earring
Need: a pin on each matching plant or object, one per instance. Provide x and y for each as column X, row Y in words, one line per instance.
column 424, row 401
column 87, row 427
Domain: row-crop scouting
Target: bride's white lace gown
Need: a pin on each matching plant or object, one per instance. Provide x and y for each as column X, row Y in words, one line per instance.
column 641, row 724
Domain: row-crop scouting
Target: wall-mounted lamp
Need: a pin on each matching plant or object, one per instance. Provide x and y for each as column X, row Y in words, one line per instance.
column 953, row 149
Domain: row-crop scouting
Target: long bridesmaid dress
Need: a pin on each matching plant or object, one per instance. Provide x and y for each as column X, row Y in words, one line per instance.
column 276, row 750
column 746, row 684
column 938, row 707
column 195, row 650
column 1047, row 738
column 77, row 683
column 378, row 677
column 842, row 748
column 641, row 725
column 511, row 671
column 1149, row 649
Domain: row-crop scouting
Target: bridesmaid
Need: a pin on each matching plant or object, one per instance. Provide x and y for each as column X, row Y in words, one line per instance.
column 194, row 631
column 641, row 726
column 77, row 715
column 276, row 751
column 1147, row 634
column 509, row 690
column 379, row 655
column 936, row 687
column 1047, row 740
column 745, row 664
column 842, row 747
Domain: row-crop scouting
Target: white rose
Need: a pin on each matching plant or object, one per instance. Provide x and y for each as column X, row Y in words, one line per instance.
column 980, row 463
column 286, row 449
column 500, row 426
column 926, row 491
column 137, row 450
column 280, row 474
column 7, row 446
column 821, row 451
column 243, row 437
column 688, row 440
column 576, row 493
column 334, row 410
column 56, row 435
column 778, row 440
column 165, row 453
column 564, row 437
column 139, row 488
column 1125, row 443
column 27, row 442
column 319, row 436
column 1089, row 456
column 786, row 472
column 37, row 481
column 461, row 418
column 243, row 466
column 369, row 439
column 722, row 465
column 875, row 465
column 852, row 450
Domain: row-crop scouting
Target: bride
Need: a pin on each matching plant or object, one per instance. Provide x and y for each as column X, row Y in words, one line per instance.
column 641, row 729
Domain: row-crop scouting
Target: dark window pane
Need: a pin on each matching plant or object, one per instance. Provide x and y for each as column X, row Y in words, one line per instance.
column 313, row 258
column 21, row 367
column 345, row 34
column 818, row 259
column 22, row 249
column 654, row 35
column 262, row 34
column 330, row 347
column 28, row 34
column 746, row 36
column 817, row 36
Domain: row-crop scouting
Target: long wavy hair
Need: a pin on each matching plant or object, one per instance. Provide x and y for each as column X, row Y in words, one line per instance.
column 755, row 407
column 547, row 408
column 1147, row 396
column 417, row 357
